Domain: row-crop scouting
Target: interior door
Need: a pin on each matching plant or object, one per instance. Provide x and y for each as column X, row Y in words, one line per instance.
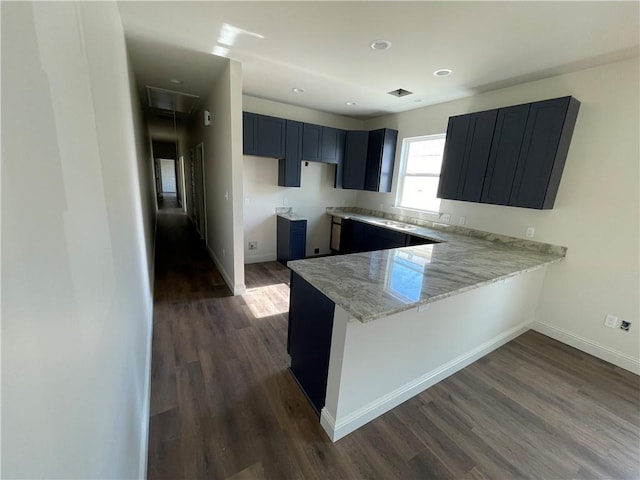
column 193, row 205
column 201, row 222
column 168, row 173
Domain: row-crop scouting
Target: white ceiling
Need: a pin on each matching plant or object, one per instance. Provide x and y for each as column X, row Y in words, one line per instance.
column 323, row 47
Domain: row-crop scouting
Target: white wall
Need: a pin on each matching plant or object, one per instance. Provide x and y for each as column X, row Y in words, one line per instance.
column 77, row 306
column 223, row 172
column 596, row 214
column 262, row 194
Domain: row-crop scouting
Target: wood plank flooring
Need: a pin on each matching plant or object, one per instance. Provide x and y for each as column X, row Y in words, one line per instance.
column 225, row 406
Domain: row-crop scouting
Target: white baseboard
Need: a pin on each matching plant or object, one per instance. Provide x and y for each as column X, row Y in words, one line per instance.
column 267, row 257
column 353, row 421
column 238, row 288
column 589, row 346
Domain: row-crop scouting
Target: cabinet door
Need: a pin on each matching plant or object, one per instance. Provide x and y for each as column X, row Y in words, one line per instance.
column 481, row 127
column 311, row 142
column 271, row 136
column 289, row 167
column 355, row 160
column 453, row 156
column 466, row 154
column 298, row 240
column 249, row 133
column 505, row 151
column 352, row 236
column 381, row 153
column 332, row 145
column 543, row 153
column 380, row 238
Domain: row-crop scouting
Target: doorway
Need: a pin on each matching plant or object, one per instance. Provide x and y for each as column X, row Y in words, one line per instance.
column 168, row 175
column 198, row 191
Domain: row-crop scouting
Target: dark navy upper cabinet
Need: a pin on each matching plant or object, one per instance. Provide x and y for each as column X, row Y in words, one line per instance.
column 381, row 154
column 332, row 145
column 481, row 126
column 512, row 156
column 322, row 144
column 262, row 135
column 453, row 156
column 311, row 142
column 289, row 167
column 544, row 151
column 505, row 151
column 271, row 136
column 355, row 159
column 466, row 153
column 249, row 133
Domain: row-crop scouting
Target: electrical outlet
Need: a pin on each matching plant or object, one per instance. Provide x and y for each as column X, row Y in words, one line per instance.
column 624, row 325
column 445, row 217
column 423, row 307
column 530, row 232
column 462, row 220
column 316, row 250
column 253, row 245
column 610, row 321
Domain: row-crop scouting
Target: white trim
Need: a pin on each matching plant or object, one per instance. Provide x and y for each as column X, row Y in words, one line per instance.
column 404, row 154
column 237, row 288
column 266, row 257
column 596, row 349
column 204, row 194
column 385, row 403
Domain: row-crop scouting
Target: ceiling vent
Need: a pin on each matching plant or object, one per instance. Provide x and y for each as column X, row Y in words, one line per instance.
column 172, row 101
column 401, row 92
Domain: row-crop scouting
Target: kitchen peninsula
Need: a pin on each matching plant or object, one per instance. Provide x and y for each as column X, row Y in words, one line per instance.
column 369, row 330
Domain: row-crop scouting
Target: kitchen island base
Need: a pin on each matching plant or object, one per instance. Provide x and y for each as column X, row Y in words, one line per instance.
column 376, row 365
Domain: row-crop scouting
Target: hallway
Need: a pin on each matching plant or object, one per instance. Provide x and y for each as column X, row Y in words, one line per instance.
column 224, row 405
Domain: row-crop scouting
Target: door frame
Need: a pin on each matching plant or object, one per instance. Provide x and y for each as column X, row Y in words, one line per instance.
column 204, row 192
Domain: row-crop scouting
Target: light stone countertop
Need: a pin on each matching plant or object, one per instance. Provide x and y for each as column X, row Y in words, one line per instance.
column 291, row 216
column 374, row 285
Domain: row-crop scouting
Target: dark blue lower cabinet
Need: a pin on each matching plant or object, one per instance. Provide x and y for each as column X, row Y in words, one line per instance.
column 309, row 339
column 291, row 239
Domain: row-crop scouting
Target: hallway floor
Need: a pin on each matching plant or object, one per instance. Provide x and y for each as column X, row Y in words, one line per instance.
column 224, row 405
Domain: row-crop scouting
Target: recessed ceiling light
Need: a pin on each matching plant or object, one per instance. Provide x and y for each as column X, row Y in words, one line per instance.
column 380, row 44
column 350, row 104
column 297, row 90
column 443, row 72
column 175, row 81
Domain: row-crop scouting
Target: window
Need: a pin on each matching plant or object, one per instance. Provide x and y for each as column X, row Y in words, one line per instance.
column 420, row 173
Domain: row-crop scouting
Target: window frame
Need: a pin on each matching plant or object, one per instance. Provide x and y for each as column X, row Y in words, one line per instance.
column 402, row 174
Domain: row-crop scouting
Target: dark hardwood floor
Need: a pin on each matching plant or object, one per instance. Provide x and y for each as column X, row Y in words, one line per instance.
column 224, row 405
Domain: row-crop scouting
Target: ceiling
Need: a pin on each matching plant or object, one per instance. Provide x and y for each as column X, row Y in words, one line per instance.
column 324, row 47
